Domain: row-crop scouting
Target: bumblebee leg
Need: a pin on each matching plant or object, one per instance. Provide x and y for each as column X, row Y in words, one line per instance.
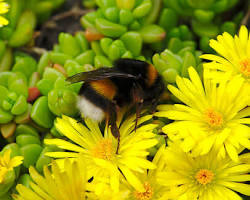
column 80, row 120
column 112, row 123
column 116, row 133
column 138, row 107
column 154, row 105
column 137, row 94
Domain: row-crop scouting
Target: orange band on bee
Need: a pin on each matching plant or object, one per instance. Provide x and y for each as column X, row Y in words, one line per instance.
column 151, row 75
column 104, row 87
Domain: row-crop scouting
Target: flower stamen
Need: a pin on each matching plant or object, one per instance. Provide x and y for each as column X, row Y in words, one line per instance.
column 213, row 118
column 104, row 149
column 147, row 195
column 245, row 67
column 204, row 176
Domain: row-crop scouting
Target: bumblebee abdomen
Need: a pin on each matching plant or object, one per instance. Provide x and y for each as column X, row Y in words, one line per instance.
column 152, row 75
column 104, row 87
column 89, row 109
column 94, row 100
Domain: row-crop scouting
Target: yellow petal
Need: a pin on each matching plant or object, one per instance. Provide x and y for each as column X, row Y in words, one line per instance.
column 239, row 169
column 16, row 161
column 239, row 187
column 195, row 78
column 40, row 192
column 132, row 179
column 243, row 35
column 232, row 152
column 238, row 178
column 25, row 192
column 64, row 145
column 37, row 178
column 3, row 21
column 6, row 157
column 4, row 7
column 62, row 154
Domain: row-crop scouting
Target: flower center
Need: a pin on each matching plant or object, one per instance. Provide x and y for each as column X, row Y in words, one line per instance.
column 147, row 195
column 213, row 118
column 204, row 176
column 245, row 67
column 104, row 149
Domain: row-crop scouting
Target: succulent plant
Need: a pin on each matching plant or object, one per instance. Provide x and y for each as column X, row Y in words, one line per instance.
column 171, row 64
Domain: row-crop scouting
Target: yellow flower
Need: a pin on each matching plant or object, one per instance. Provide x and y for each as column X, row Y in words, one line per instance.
column 152, row 189
column 234, row 56
column 204, row 177
column 102, row 161
column 56, row 184
column 215, row 115
column 7, row 163
column 4, row 8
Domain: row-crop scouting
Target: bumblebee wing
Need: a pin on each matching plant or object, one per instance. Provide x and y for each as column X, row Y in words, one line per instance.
column 99, row 74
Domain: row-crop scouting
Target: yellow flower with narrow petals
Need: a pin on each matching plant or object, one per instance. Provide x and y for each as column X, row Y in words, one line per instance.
column 152, row 189
column 234, row 56
column 215, row 115
column 56, row 184
column 4, row 8
column 205, row 177
column 102, row 160
column 7, row 163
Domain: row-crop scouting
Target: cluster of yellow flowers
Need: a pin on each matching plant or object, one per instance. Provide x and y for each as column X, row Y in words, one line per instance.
column 203, row 160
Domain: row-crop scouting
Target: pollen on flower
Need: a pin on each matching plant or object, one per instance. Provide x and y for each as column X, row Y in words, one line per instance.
column 204, row 176
column 104, row 149
column 245, row 67
column 214, row 119
column 147, row 195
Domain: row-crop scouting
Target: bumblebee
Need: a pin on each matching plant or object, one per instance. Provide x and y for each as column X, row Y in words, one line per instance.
column 105, row 90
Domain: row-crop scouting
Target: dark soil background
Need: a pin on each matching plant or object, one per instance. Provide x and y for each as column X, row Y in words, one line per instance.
column 67, row 19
